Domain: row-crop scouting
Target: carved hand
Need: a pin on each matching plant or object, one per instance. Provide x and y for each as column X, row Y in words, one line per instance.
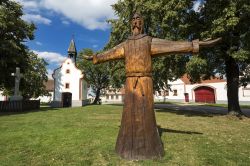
column 209, row 42
column 90, row 58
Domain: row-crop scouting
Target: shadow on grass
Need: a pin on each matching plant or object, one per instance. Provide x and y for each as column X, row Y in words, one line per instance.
column 163, row 130
column 115, row 104
column 46, row 108
column 189, row 113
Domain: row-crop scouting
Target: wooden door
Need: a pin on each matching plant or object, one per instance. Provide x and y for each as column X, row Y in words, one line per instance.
column 66, row 99
column 204, row 94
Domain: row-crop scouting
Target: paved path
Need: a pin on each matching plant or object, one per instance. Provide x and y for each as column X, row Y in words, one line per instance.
column 199, row 109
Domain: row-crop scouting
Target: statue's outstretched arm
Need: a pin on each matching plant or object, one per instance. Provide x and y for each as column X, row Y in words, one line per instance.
column 209, row 42
column 112, row 54
column 164, row 47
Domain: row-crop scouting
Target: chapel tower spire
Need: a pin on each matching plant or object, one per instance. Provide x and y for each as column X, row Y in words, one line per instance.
column 72, row 53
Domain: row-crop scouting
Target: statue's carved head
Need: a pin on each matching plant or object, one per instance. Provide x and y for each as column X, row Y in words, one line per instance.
column 137, row 24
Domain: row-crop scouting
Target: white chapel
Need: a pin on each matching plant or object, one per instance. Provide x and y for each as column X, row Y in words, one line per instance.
column 70, row 87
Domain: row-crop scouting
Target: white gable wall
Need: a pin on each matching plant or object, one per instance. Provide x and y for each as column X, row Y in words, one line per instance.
column 77, row 85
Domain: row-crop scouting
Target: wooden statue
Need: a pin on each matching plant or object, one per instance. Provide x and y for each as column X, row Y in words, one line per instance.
column 138, row 136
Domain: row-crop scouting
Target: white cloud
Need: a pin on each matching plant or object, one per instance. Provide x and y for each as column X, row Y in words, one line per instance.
column 65, row 22
column 39, row 43
column 91, row 14
column 51, row 57
column 36, row 18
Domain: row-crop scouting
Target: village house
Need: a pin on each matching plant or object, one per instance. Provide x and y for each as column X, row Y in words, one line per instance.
column 112, row 95
column 207, row 91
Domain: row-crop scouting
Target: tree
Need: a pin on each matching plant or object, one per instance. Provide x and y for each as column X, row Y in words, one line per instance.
column 32, row 84
column 162, row 19
column 98, row 76
column 229, row 20
column 13, row 33
column 34, row 77
column 14, row 53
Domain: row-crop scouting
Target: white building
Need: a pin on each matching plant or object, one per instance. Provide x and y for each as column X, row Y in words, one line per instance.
column 70, row 87
column 208, row 91
column 49, row 85
column 112, row 95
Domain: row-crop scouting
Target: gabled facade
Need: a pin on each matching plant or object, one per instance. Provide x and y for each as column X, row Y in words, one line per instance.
column 70, row 87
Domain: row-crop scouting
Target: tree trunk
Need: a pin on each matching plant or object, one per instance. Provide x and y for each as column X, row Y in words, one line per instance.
column 97, row 96
column 232, row 74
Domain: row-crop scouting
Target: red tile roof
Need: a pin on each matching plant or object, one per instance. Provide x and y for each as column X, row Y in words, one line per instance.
column 186, row 80
column 49, row 85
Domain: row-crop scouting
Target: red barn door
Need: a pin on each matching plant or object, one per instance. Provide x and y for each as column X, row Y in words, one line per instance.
column 204, row 94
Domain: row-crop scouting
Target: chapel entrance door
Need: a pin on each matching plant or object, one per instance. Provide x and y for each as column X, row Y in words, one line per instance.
column 66, row 99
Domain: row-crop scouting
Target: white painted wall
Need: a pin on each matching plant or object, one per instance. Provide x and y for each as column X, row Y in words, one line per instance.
column 46, row 99
column 220, row 89
column 2, row 98
column 61, row 77
column 244, row 94
column 108, row 98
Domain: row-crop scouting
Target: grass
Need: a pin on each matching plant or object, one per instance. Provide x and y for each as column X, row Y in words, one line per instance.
column 86, row 136
column 206, row 104
column 225, row 105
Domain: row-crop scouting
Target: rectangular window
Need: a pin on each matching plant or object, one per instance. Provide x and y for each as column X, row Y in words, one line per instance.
column 166, row 93
column 112, row 97
column 67, row 71
column 107, row 97
column 175, row 93
column 67, row 85
column 246, row 92
column 117, row 97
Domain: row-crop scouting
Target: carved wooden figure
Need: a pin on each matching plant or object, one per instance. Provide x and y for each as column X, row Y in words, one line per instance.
column 138, row 137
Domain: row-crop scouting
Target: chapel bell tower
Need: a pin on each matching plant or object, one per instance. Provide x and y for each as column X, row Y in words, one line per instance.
column 72, row 53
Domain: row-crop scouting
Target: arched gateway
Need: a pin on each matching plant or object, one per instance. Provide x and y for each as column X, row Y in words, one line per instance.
column 204, row 94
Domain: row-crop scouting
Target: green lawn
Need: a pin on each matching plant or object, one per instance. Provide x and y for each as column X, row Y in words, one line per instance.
column 86, row 136
column 225, row 105
column 206, row 104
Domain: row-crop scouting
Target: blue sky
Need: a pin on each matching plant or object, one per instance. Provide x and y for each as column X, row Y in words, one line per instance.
column 58, row 20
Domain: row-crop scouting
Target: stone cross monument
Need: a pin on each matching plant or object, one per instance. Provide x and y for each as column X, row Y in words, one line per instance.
column 18, row 75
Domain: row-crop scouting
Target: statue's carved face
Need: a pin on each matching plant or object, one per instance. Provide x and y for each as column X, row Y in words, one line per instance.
column 137, row 25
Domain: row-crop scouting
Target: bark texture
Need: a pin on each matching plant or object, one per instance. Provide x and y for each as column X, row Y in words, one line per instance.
column 232, row 73
column 97, row 97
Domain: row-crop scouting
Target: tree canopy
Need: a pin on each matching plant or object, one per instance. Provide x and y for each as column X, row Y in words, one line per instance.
column 98, row 76
column 162, row 19
column 14, row 32
column 32, row 84
column 229, row 20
